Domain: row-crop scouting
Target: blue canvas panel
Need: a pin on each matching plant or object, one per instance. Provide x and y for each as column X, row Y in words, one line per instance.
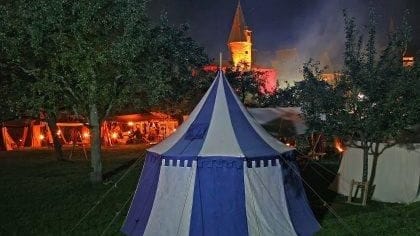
column 142, row 203
column 252, row 145
column 192, row 141
column 219, row 198
column 302, row 217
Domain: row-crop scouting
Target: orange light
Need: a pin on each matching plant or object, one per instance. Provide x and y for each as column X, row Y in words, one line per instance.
column 59, row 132
column 339, row 146
column 86, row 135
column 41, row 137
column 130, row 123
column 114, row 135
column 288, row 144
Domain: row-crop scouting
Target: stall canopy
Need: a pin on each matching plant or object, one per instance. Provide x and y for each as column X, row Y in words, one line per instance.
column 141, row 117
column 220, row 173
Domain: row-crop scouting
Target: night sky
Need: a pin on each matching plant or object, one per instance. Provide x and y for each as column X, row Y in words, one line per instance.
column 313, row 28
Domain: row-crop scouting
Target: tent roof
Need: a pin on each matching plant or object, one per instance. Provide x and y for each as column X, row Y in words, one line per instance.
column 220, row 126
column 17, row 122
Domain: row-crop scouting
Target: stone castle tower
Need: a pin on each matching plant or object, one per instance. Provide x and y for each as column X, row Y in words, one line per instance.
column 240, row 41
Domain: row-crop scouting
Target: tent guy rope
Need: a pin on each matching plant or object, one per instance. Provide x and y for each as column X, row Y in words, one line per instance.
column 114, row 186
column 117, row 214
column 325, row 203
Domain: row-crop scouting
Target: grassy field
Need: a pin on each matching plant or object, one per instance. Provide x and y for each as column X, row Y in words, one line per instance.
column 40, row 196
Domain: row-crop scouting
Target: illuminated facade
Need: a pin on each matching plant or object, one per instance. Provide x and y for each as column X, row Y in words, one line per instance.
column 240, row 47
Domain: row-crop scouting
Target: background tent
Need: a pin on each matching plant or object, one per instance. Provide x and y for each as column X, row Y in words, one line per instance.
column 397, row 176
column 280, row 121
column 18, row 133
column 153, row 127
column 220, row 173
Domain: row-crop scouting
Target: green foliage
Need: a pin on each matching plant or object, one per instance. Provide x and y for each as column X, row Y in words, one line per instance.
column 170, row 67
column 105, row 53
column 249, row 85
column 282, row 97
column 94, row 58
column 374, row 97
column 373, row 101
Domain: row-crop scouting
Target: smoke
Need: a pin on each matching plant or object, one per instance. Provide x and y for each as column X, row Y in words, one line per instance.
column 285, row 33
column 321, row 36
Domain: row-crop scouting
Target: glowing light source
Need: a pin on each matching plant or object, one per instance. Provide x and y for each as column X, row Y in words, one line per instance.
column 339, row 146
column 59, row 132
column 86, row 135
column 41, row 137
column 130, row 123
column 114, row 135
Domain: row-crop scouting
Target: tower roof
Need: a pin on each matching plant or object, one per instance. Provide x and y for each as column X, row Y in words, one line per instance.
column 237, row 33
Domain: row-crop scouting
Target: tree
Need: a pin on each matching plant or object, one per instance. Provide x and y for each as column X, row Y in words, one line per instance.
column 249, row 85
column 373, row 100
column 175, row 61
column 30, row 39
column 95, row 58
column 282, row 97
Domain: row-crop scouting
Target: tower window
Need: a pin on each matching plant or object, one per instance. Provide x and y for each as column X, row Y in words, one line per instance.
column 246, row 52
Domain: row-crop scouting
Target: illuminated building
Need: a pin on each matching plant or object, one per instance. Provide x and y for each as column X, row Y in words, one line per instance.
column 240, row 41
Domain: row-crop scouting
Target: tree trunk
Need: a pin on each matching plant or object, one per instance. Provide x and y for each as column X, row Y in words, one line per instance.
column 95, row 151
column 365, row 161
column 52, row 124
column 376, row 154
column 373, row 169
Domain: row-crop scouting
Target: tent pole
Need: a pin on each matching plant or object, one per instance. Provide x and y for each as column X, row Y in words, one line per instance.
column 220, row 60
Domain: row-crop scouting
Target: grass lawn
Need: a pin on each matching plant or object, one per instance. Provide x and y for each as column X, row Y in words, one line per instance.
column 41, row 196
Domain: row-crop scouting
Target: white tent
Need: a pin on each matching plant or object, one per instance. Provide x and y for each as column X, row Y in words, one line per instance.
column 397, row 175
column 279, row 120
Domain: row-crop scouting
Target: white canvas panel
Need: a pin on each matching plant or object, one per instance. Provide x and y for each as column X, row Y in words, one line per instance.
column 220, row 139
column 269, row 114
column 171, row 211
column 270, row 140
column 266, row 206
column 167, row 143
column 397, row 175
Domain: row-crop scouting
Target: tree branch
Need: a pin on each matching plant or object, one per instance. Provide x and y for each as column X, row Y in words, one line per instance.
column 116, row 93
column 387, row 145
column 68, row 88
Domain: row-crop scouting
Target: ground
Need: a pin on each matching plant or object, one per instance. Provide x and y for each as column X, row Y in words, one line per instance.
column 41, row 196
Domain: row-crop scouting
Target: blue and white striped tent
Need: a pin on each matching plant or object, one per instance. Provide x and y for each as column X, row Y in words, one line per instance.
column 220, row 173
